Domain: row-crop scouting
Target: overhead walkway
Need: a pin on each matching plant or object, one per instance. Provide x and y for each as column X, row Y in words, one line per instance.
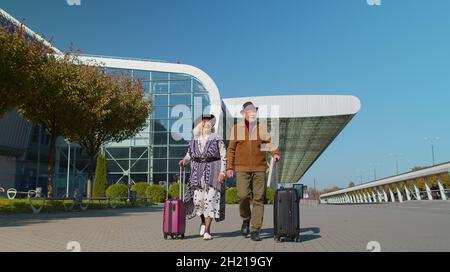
column 425, row 184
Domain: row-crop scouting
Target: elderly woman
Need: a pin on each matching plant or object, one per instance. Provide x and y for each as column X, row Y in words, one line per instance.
column 205, row 196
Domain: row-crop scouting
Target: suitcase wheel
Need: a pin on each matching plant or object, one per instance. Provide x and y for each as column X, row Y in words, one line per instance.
column 182, row 236
column 165, row 236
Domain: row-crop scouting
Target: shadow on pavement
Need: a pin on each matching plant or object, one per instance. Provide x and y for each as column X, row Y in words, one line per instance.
column 268, row 234
column 309, row 237
column 16, row 220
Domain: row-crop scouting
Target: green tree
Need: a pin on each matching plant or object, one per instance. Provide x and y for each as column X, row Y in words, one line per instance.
column 20, row 63
column 351, row 184
column 58, row 86
column 100, row 182
column 112, row 109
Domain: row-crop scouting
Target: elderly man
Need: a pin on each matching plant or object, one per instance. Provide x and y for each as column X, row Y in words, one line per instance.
column 246, row 153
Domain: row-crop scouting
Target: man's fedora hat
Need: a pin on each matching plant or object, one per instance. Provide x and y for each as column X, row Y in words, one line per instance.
column 248, row 106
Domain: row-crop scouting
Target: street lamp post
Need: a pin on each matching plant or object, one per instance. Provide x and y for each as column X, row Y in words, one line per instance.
column 431, row 140
column 375, row 169
column 361, row 171
column 396, row 156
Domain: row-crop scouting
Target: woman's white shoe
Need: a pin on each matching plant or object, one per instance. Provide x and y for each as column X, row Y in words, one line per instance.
column 207, row 236
column 202, row 230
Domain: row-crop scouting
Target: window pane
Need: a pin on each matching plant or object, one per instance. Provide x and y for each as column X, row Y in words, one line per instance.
column 140, row 142
column 198, row 87
column 160, row 113
column 174, row 166
column 180, row 142
column 174, row 76
column 177, row 152
column 142, row 75
column 161, row 100
column 160, row 138
column 117, row 153
column 161, row 126
column 146, row 87
column 160, row 152
column 160, row 76
column 139, row 178
column 180, row 86
column 159, row 86
column 206, row 101
column 183, row 99
column 114, row 178
column 139, row 166
column 114, row 166
column 159, row 166
column 201, row 102
column 139, row 152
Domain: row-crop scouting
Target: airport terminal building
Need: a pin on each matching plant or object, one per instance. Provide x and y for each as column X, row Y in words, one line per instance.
column 303, row 126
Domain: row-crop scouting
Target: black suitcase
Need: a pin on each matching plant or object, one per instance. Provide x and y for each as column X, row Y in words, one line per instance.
column 286, row 209
column 286, row 214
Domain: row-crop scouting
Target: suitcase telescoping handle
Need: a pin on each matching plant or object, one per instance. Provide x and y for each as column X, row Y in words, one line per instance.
column 273, row 173
column 167, row 190
column 182, row 182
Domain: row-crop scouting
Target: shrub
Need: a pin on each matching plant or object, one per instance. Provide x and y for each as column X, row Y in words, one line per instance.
column 100, row 182
column 117, row 190
column 174, row 190
column 140, row 188
column 231, row 196
column 270, row 194
column 156, row 193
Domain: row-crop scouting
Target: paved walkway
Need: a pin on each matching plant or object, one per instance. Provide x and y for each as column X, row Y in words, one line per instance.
column 412, row 226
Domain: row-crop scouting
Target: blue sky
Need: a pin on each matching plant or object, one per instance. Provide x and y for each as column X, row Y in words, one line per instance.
column 394, row 57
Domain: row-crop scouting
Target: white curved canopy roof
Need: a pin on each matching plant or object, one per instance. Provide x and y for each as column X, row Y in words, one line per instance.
column 307, row 124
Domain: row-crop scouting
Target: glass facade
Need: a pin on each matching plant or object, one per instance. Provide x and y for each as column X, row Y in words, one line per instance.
column 152, row 156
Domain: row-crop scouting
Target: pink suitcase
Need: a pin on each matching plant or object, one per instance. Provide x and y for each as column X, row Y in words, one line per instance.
column 174, row 221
